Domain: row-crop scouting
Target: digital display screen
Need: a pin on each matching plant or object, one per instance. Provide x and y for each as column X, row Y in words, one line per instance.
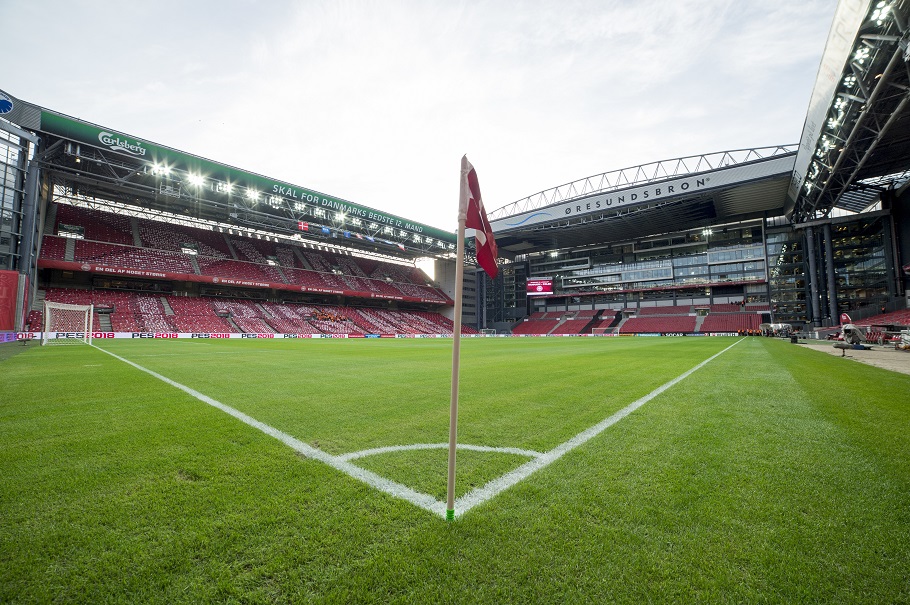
column 540, row 286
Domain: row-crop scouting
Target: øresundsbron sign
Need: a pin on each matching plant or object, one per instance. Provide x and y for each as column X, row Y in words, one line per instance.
column 651, row 192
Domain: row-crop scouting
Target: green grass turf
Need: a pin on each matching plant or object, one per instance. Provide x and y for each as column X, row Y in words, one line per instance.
column 774, row 474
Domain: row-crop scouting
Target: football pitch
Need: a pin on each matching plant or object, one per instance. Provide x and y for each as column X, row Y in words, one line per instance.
column 622, row 470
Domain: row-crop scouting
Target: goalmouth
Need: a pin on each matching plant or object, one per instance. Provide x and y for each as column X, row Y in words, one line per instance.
column 67, row 324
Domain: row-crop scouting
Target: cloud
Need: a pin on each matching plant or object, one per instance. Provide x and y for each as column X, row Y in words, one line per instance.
column 376, row 102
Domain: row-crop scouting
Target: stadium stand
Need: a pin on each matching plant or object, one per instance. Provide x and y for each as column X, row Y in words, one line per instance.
column 657, row 324
column 572, row 326
column 129, row 257
column 896, row 318
column 233, row 269
column 535, row 326
column 731, row 322
column 681, row 310
column 175, row 238
column 97, row 225
column 145, row 312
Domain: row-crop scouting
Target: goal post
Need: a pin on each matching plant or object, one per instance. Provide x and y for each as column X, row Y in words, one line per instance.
column 67, row 324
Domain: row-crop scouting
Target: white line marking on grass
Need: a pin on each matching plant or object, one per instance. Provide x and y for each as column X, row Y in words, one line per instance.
column 372, row 479
column 438, row 446
column 424, row 501
column 484, row 493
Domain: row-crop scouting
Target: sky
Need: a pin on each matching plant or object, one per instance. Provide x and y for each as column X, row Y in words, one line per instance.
column 375, row 102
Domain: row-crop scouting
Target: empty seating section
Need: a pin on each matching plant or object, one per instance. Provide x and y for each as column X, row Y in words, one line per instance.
column 310, row 279
column 235, row 269
column 357, row 284
column 53, row 248
column 897, row 318
column 723, row 308
column 34, row 321
column 196, row 315
column 254, row 251
column 245, row 315
column 126, row 307
column 285, row 319
column 97, row 225
column 572, row 326
column 110, row 241
column 127, row 256
column 730, row 322
column 758, row 307
column 535, row 326
column 659, row 324
column 373, row 323
column 349, row 266
column 168, row 236
column 443, row 324
column 114, row 240
column 664, row 311
column 603, row 324
column 286, row 257
column 317, row 261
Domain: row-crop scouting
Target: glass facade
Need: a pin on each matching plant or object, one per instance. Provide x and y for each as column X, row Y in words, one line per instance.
column 844, row 263
column 12, row 179
column 787, row 281
column 861, row 263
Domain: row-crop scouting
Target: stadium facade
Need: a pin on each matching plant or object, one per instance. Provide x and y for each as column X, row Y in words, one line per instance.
column 797, row 234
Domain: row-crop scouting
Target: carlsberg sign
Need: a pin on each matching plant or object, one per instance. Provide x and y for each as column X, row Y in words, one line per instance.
column 120, row 143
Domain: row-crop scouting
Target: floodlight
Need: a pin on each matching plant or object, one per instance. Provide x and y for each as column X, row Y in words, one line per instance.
column 881, row 12
column 196, row 179
column 252, row 195
column 339, row 217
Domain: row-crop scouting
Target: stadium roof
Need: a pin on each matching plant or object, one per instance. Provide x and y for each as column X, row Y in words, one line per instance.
column 660, row 197
column 93, row 164
column 855, row 144
column 854, row 149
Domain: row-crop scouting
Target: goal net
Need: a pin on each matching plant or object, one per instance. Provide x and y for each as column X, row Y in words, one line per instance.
column 67, row 324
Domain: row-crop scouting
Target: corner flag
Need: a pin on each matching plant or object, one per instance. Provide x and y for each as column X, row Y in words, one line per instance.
column 475, row 217
column 470, row 214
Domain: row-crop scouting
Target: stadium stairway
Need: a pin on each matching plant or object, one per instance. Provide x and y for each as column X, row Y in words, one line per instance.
column 167, row 306
column 266, row 314
column 302, row 259
column 618, row 326
column 699, row 320
column 50, row 221
column 134, row 227
column 38, row 302
column 70, row 253
column 561, row 321
column 104, row 322
column 230, row 247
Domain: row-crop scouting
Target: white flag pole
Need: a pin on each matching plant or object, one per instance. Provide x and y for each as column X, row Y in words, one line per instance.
column 456, row 339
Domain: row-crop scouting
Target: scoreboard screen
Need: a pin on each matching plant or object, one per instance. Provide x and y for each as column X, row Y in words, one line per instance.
column 540, row 286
